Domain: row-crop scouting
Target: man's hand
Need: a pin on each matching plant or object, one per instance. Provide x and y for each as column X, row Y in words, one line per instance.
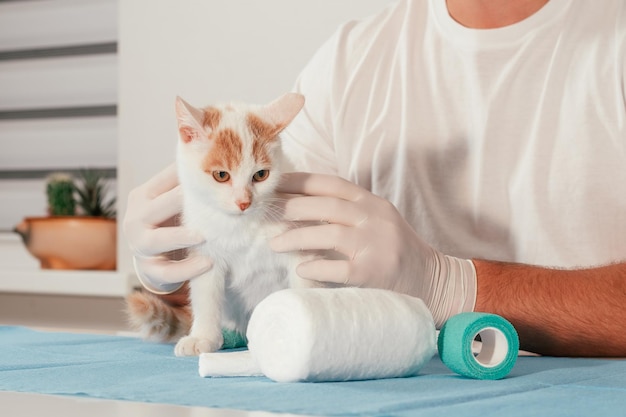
column 380, row 248
column 152, row 231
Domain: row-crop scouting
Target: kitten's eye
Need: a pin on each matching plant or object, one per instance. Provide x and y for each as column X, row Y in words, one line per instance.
column 261, row 175
column 221, row 176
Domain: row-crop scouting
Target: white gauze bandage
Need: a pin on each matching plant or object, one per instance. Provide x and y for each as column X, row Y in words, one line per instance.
column 331, row 335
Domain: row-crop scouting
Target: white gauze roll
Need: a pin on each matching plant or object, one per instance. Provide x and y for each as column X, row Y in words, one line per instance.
column 340, row 334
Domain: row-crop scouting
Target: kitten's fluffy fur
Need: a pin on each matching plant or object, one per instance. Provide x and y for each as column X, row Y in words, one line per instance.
column 229, row 165
column 157, row 319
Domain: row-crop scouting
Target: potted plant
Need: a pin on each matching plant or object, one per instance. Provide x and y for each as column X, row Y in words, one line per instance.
column 60, row 192
column 80, row 231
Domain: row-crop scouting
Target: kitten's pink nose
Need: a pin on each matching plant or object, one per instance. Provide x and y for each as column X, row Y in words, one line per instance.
column 243, row 205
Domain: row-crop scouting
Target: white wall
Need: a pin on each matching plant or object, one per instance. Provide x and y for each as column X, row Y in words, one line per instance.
column 208, row 51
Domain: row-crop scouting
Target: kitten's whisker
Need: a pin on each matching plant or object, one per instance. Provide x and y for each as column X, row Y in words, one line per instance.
column 273, row 215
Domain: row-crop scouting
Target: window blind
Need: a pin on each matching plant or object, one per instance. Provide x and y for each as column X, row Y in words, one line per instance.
column 58, row 97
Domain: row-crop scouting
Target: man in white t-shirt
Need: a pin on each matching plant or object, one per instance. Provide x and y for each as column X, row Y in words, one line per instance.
column 497, row 130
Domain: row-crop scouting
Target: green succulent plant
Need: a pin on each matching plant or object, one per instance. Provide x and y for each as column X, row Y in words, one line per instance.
column 60, row 194
column 91, row 190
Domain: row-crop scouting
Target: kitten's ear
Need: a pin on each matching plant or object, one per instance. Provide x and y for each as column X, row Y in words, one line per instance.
column 190, row 126
column 283, row 110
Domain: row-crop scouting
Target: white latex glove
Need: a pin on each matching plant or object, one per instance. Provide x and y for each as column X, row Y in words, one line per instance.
column 152, row 231
column 381, row 249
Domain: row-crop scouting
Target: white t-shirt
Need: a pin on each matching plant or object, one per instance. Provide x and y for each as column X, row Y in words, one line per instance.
column 503, row 144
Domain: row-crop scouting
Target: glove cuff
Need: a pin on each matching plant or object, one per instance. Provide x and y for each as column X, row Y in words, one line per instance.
column 454, row 287
column 155, row 288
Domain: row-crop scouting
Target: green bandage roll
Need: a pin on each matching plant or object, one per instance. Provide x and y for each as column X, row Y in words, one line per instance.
column 499, row 347
column 233, row 339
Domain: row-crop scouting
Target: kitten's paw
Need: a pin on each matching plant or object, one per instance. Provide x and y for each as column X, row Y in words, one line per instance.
column 194, row 346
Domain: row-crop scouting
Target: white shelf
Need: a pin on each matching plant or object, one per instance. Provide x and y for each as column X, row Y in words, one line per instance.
column 20, row 273
column 57, row 282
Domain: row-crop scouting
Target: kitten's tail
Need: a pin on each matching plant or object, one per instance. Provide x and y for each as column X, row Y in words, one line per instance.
column 155, row 319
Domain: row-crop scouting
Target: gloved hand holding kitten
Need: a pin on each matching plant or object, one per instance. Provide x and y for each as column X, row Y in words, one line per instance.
column 381, row 249
column 152, row 231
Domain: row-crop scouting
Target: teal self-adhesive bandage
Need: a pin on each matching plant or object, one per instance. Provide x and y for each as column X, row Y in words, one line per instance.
column 498, row 351
column 233, row 339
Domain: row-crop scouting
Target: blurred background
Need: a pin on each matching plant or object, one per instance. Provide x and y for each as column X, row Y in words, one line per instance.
column 90, row 84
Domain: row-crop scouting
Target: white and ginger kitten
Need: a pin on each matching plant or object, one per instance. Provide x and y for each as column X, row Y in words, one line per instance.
column 229, row 166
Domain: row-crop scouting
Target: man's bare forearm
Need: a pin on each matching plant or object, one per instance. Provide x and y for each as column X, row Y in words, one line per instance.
column 558, row 312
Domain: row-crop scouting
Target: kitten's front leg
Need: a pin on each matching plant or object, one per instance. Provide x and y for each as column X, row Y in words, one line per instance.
column 207, row 298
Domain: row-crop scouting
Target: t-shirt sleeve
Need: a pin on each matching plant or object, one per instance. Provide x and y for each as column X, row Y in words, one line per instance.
column 308, row 141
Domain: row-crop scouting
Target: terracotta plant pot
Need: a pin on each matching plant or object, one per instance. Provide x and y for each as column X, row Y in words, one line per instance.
column 71, row 242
